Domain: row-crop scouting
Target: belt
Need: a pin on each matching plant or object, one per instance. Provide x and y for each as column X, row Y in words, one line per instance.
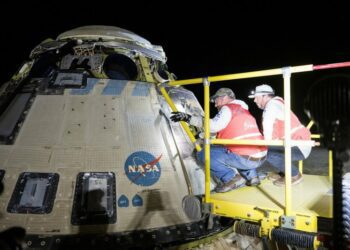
column 250, row 158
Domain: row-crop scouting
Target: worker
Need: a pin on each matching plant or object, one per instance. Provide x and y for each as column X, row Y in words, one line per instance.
column 233, row 121
column 273, row 129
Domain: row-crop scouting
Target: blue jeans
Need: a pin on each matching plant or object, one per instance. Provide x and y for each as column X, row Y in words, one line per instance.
column 224, row 164
column 275, row 156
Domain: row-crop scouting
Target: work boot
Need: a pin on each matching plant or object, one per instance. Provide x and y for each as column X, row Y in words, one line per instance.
column 236, row 182
column 295, row 180
column 253, row 181
column 275, row 176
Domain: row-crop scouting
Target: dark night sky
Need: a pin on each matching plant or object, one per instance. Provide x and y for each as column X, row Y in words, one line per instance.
column 202, row 40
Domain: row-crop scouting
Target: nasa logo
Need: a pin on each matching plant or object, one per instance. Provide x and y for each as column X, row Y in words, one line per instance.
column 142, row 168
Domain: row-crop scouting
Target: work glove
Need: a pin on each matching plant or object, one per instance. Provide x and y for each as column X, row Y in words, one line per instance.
column 180, row 116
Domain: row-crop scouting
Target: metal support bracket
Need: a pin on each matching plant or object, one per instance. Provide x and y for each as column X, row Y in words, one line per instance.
column 287, row 72
column 164, row 84
column 288, row 221
column 266, row 224
column 206, row 81
column 207, row 208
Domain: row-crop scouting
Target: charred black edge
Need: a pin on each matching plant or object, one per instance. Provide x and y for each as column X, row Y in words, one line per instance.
column 159, row 238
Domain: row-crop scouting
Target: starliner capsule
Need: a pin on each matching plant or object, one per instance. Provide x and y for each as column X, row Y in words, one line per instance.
column 88, row 155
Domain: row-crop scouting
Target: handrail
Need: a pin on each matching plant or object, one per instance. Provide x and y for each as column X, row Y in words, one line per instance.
column 287, row 142
column 330, row 166
column 260, row 73
column 183, row 124
column 206, row 85
column 287, row 72
column 236, row 76
column 300, row 163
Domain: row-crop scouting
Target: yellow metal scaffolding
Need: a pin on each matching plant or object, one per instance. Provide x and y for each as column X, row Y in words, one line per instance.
column 273, row 212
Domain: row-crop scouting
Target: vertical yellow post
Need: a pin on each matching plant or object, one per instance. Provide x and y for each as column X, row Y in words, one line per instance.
column 206, row 84
column 301, row 167
column 330, row 165
column 287, row 140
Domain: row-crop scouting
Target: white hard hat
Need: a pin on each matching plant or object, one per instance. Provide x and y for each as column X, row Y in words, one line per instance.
column 263, row 89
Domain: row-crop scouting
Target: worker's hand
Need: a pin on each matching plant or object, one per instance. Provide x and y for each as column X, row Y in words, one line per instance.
column 180, row 116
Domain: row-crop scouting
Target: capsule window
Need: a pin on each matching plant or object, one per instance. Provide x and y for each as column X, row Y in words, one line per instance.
column 120, row 67
column 34, row 193
column 94, row 199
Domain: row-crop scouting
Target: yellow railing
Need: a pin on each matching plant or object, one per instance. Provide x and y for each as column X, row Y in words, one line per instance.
column 183, row 124
column 304, row 222
column 252, row 74
column 313, row 136
column 207, row 138
column 287, row 142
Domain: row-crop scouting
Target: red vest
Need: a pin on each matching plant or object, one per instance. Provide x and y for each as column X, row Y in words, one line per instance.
column 298, row 131
column 242, row 126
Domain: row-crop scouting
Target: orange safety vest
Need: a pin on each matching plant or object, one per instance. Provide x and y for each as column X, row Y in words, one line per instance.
column 241, row 126
column 298, row 130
